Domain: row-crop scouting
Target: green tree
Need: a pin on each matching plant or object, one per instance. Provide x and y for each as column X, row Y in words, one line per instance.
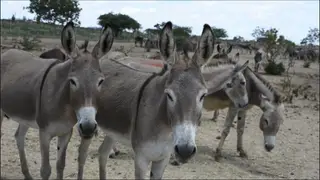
column 178, row 31
column 238, row 39
column 119, row 22
column 312, row 37
column 55, row 11
column 219, row 32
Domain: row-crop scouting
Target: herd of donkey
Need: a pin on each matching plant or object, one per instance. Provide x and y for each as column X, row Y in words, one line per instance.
column 154, row 106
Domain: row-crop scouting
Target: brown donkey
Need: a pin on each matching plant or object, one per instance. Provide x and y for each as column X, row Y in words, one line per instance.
column 52, row 96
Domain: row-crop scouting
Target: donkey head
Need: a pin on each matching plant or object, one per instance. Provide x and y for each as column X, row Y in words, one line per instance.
column 85, row 77
column 236, row 89
column 222, row 54
column 185, row 89
column 270, row 120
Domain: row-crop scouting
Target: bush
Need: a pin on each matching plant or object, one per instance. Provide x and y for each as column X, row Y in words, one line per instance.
column 274, row 68
column 306, row 64
column 30, row 43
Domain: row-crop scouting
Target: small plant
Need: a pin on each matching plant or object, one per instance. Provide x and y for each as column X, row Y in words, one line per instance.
column 274, row 68
column 306, row 64
column 30, row 43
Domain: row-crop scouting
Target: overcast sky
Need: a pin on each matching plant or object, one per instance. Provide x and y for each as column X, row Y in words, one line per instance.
column 292, row 18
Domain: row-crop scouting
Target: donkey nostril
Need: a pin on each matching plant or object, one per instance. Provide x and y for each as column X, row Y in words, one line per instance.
column 81, row 127
column 95, row 127
column 176, row 149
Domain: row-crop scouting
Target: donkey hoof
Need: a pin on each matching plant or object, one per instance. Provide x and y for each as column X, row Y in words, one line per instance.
column 217, row 158
column 243, row 154
column 214, row 119
column 174, row 162
column 117, row 153
column 112, row 155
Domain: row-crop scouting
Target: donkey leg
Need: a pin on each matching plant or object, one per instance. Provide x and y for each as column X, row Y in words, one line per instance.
column 1, row 118
column 158, row 167
column 232, row 112
column 62, row 146
column 141, row 164
column 20, row 138
column 215, row 115
column 104, row 151
column 45, row 138
column 240, row 128
column 82, row 156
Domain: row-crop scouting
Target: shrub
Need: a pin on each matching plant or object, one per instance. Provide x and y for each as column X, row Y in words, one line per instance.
column 274, row 68
column 306, row 64
column 30, row 43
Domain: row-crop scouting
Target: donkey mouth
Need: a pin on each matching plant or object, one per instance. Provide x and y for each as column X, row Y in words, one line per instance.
column 243, row 105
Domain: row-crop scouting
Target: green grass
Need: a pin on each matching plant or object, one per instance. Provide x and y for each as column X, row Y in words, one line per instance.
column 29, row 28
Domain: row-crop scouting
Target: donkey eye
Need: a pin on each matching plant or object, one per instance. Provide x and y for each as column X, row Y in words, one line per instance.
column 169, row 97
column 242, row 83
column 73, row 82
column 202, row 97
column 266, row 122
column 100, row 82
column 229, row 85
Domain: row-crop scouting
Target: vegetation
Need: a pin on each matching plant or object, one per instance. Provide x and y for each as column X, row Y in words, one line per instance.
column 119, row 22
column 55, row 11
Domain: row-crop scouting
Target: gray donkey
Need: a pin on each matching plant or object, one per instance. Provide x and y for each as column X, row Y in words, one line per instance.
column 154, row 113
column 52, row 96
column 235, row 88
column 262, row 94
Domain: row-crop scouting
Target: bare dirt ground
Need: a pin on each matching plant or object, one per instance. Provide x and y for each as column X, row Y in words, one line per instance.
column 295, row 156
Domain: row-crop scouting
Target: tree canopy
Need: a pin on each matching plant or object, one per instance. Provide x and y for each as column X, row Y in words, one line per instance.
column 178, row 31
column 219, row 32
column 55, row 11
column 119, row 22
column 312, row 37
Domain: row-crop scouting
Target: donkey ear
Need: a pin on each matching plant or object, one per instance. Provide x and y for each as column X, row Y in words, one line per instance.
column 229, row 49
column 218, row 48
column 105, row 42
column 167, row 44
column 205, row 46
column 241, row 68
column 68, row 38
column 264, row 102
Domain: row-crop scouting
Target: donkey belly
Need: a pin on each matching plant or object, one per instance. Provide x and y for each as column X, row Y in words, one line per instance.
column 211, row 103
column 26, row 122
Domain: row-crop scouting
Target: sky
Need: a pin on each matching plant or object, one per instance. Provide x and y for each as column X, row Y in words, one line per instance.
column 293, row 19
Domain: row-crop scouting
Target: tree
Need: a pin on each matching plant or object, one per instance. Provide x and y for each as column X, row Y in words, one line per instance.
column 219, row 32
column 238, row 39
column 312, row 37
column 55, row 11
column 178, row 31
column 119, row 22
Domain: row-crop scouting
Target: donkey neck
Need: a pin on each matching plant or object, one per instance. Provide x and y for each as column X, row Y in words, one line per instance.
column 257, row 86
column 56, row 89
column 152, row 115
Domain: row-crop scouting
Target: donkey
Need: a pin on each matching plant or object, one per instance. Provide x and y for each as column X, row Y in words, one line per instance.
column 257, row 60
column 59, row 54
column 138, row 39
column 222, row 53
column 262, row 94
column 155, row 113
column 235, row 88
column 52, row 96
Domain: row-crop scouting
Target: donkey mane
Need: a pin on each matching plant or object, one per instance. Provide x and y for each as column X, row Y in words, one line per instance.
column 278, row 97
